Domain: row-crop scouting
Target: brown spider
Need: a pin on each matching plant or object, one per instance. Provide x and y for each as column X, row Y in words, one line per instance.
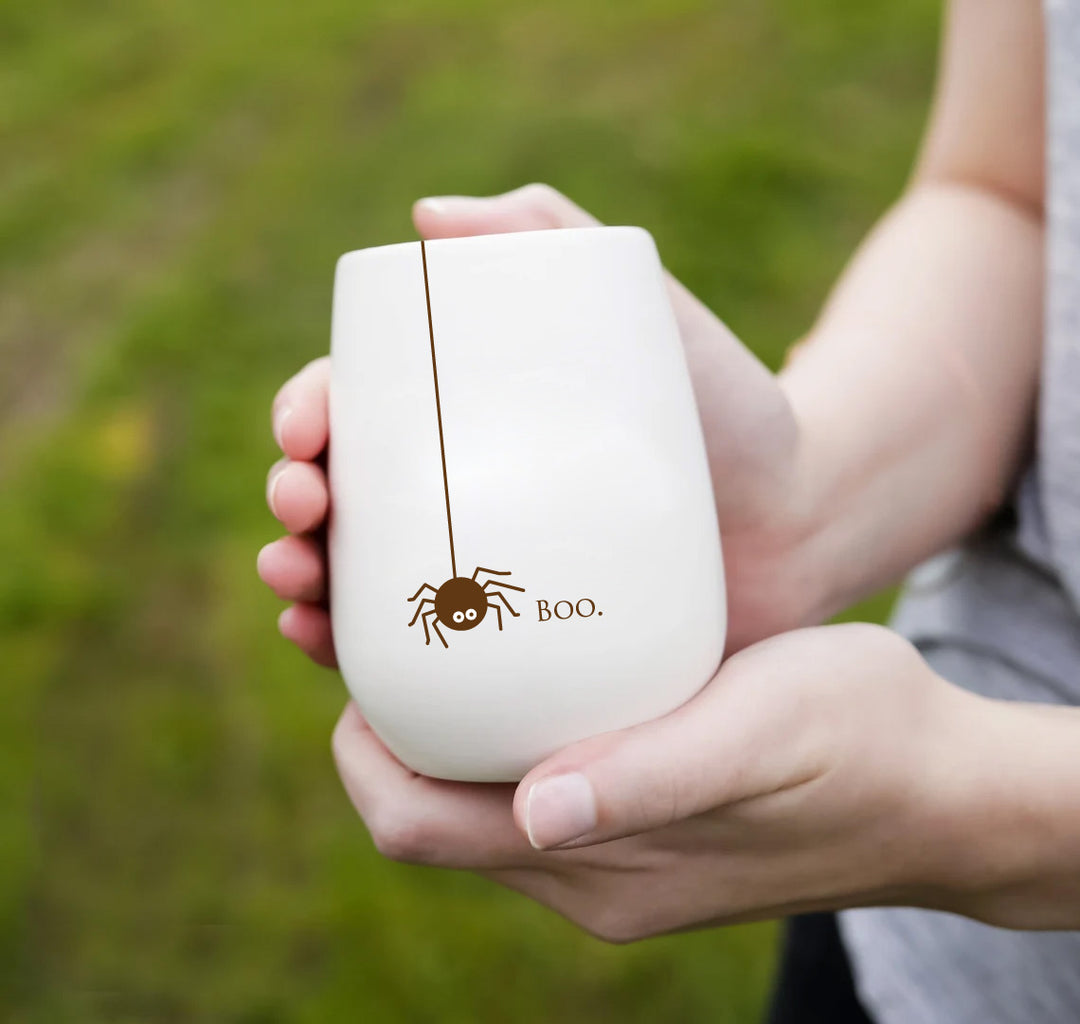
column 461, row 603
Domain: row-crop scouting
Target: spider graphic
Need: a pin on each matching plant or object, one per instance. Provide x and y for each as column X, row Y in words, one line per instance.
column 461, row 603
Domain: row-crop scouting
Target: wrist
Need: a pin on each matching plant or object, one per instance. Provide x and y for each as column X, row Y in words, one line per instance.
column 781, row 541
column 1004, row 795
column 827, row 559
column 859, row 507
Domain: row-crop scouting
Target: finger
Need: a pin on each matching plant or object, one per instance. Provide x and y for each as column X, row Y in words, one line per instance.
column 308, row 626
column 531, row 208
column 421, row 820
column 300, row 420
column 539, row 207
column 298, row 495
column 294, row 568
column 749, row 732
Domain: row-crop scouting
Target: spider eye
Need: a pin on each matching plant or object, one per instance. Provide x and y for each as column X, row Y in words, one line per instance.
column 459, row 617
column 471, row 614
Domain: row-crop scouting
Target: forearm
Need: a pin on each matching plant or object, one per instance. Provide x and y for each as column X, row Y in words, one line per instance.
column 914, row 392
column 1013, row 804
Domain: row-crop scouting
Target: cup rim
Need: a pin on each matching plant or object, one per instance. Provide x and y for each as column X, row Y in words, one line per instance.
column 534, row 235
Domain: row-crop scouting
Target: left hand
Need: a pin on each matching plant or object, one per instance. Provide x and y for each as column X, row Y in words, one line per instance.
column 822, row 768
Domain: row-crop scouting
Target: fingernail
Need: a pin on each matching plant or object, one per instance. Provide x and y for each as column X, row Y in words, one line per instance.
column 271, row 491
column 559, row 809
column 283, row 622
column 279, row 425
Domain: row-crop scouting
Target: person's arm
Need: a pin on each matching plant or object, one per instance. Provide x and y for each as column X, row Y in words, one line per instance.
column 914, row 391
column 1016, row 786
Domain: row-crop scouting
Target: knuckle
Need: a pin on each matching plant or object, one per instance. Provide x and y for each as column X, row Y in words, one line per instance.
column 868, row 641
column 400, row 838
column 339, row 741
column 298, row 387
column 315, row 476
column 545, row 199
column 541, row 190
column 678, row 793
column 901, row 645
column 613, row 924
column 314, row 377
column 677, row 790
column 870, row 633
column 286, row 391
column 309, row 476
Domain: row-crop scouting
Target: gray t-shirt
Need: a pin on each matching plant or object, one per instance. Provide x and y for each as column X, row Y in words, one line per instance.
column 1002, row 617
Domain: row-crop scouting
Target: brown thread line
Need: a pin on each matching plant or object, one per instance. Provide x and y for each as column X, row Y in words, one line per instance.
column 438, row 410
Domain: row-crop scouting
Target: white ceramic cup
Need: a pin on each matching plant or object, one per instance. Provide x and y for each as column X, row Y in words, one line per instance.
column 523, row 540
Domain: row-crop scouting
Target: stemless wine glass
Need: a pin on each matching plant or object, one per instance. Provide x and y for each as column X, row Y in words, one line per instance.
column 523, row 539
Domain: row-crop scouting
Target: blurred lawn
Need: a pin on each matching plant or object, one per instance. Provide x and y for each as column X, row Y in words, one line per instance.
column 176, row 180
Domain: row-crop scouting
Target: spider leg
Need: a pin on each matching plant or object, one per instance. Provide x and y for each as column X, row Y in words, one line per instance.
column 435, row 623
column 496, row 572
column 426, row 586
column 435, row 626
column 502, row 597
column 498, row 610
column 499, row 583
column 420, row 608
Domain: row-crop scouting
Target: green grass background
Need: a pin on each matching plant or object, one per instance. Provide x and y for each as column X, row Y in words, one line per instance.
column 176, row 181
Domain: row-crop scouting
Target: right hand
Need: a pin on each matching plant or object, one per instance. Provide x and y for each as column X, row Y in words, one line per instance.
column 750, row 431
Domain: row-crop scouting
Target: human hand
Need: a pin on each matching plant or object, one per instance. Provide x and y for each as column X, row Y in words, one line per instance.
column 823, row 768
column 750, row 435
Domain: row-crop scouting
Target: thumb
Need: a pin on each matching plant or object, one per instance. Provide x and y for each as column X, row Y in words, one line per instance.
column 531, row 208
column 740, row 737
